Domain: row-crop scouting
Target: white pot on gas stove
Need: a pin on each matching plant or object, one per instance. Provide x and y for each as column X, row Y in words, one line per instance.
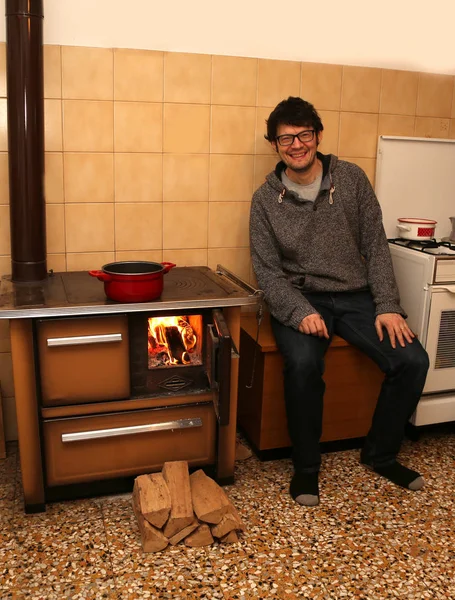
column 412, row 228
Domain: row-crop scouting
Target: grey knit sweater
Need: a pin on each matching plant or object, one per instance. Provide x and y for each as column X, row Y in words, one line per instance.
column 335, row 244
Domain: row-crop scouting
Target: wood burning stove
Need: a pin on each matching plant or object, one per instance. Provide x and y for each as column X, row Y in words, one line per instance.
column 107, row 391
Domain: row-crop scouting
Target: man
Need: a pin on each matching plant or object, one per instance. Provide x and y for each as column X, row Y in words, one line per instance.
column 321, row 257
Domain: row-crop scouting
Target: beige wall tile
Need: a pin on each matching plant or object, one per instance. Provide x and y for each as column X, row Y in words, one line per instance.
column 435, row 95
column 229, row 224
column 52, row 71
column 55, row 228
column 194, row 215
column 88, row 126
column 53, row 178
column 262, row 146
column 331, row 122
column 88, row 261
column 6, row 374
column 187, row 77
column 399, row 92
column 358, row 135
column 89, row 227
column 87, row 73
column 231, row 178
column 194, row 257
column 5, row 261
column 10, row 419
column 431, row 128
column 233, row 130
column 452, row 129
column 138, row 75
column 3, row 126
column 138, row 177
column 263, row 165
column 53, row 125
column 396, row 125
column 361, row 89
column 5, row 240
column 56, row 262
column 185, row 177
column 138, row 127
column 4, row 179
column 186, row 128
column 148, row 255
column 236, row 260
column 367, row 164
column 321, row 85
column 234, row 80
column 277, row 79
column 2, row 70
column 89, row 177
column 139, row 226
column 5, row 344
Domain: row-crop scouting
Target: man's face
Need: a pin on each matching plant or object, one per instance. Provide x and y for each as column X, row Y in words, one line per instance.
column 300, row 155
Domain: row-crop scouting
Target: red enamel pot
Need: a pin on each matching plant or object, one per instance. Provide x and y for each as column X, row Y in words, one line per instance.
column 133, row 281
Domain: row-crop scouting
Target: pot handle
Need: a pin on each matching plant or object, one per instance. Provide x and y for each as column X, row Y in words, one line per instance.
column 100, row 275
column 403, row 228
column 167, row 267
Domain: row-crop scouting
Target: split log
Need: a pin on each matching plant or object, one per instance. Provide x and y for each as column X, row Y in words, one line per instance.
column 175, row 539
column 210, row 503
column 176, row 476
column 230, row 538
column 200, row 537
column 152, row 539
column 153, row 498
column 233, row 511
column 227, row 524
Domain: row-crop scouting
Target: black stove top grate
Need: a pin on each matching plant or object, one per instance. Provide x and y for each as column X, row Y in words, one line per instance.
column 421, row 245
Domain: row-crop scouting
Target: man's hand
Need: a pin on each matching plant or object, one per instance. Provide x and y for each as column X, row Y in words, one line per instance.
column 396, row 326
column 314, row 325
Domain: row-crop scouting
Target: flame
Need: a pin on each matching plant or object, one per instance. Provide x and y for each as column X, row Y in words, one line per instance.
column 158, row 340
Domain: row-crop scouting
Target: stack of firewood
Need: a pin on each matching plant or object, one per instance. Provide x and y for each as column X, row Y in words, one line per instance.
column 172, row 506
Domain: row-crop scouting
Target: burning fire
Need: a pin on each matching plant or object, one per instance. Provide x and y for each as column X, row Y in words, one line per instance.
column 171, row 341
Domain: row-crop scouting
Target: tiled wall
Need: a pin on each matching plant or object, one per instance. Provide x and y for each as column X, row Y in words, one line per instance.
column 155, row 156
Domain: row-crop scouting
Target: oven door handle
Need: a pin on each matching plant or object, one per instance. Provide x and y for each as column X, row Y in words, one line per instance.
column 96, row 434
column 446, row 288
column 85, row 339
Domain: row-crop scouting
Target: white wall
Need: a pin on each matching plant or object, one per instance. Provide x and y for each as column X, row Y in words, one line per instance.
column 401, row 34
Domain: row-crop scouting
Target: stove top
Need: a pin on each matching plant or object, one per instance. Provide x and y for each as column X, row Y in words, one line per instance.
column 433, row 246
column 76, row 293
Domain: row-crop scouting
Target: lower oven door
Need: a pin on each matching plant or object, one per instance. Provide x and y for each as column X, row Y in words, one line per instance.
column 440, row 343
column 218, row 365
column 89, row 448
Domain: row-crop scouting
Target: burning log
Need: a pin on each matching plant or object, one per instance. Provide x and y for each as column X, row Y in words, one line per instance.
column 173, row 506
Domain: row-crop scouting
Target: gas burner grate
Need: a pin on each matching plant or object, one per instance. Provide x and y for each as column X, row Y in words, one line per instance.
column 421, row 245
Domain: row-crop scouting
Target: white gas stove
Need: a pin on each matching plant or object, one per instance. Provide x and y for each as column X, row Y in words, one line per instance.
column 425, row 273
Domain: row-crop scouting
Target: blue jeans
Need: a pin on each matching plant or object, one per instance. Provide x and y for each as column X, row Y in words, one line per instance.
column 350, row 315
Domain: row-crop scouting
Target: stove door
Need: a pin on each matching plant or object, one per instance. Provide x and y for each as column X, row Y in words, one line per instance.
column 218, row 365
column 440, row 343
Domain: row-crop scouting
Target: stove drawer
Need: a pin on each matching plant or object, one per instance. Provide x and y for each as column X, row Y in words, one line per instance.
column 124, row 444
column 83, row 359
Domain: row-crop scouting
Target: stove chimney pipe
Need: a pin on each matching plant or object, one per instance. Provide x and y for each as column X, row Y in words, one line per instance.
column 25, row 89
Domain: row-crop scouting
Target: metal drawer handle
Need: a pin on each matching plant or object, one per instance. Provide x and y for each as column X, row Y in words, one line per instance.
column 85, row 339
column 105, row 433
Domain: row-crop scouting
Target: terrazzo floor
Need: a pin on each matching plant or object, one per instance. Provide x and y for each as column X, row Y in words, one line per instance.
column 367, row 538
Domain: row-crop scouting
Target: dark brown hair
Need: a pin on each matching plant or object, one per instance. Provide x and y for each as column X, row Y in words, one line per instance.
column 293, row 111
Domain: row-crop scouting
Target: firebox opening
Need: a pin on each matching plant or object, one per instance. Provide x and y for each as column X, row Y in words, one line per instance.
column 174, row 341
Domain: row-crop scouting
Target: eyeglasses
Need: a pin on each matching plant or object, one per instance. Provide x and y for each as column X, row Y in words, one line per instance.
column 288, row 138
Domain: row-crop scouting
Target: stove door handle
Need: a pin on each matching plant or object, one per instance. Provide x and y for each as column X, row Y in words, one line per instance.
column 85, row 339
column 96, row 434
